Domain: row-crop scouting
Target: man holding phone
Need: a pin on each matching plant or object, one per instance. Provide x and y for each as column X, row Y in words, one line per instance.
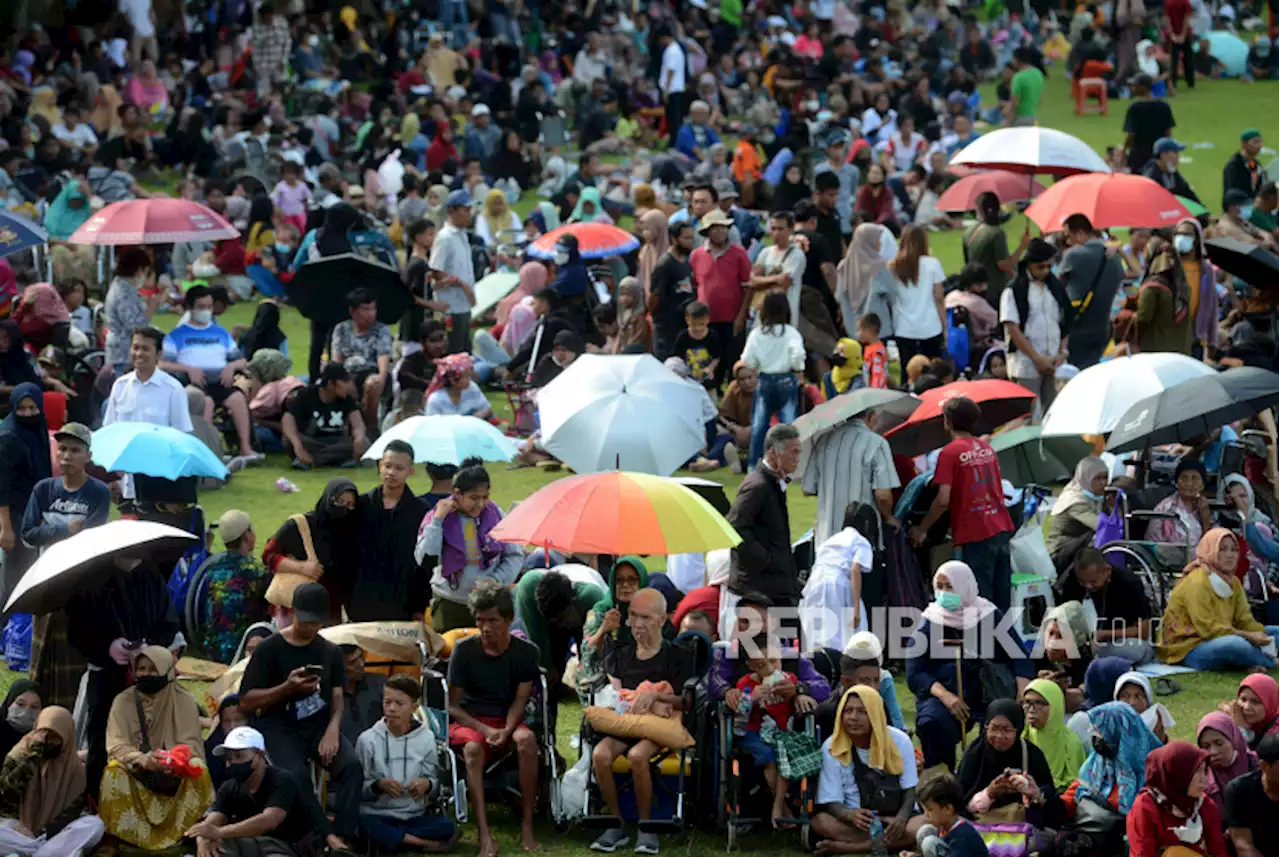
column 294, row 682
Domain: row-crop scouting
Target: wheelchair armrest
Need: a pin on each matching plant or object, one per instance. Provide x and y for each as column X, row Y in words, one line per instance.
column 433, row 675
column 1153, row 516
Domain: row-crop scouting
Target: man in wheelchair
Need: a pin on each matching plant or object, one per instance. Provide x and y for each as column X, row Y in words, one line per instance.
column 648, row 659
column 491, row 677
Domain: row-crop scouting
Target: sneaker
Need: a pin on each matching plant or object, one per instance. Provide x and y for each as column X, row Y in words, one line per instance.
column 236, row 464
column 647, row 843
column 299, row 465
column 731, row 458
column 349, row 464
column 611, row 840
column 253, row 458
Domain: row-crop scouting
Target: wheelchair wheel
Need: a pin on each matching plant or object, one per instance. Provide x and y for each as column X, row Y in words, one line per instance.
column 1140, row 561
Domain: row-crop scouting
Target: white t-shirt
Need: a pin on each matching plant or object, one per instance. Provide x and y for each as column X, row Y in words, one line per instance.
column 904, row 154
column 452, row 254
column 672, row 61
column 82, row 135
column 837, row 784
column 915, row 313
column 1042, row 328
column 139, row 14
column 790, row 260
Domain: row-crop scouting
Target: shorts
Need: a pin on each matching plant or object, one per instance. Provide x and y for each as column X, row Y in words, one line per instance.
column 217, row 392
column 753, row 744
column 460, row 735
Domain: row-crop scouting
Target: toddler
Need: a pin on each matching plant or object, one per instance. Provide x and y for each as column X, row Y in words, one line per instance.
column 763, row 673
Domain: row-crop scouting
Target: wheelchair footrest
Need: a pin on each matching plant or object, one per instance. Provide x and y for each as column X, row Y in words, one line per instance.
column 661, row 825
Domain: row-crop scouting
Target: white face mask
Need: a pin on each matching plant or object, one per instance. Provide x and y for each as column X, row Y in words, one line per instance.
column 1184, row 243
column 313, row 41
column 1221, row 588
column 202, row 316
column 1193, row 831
column 562, row 257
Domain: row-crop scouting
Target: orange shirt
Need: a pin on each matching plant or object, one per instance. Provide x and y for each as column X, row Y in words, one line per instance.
column 876, row 361
column 746, row 162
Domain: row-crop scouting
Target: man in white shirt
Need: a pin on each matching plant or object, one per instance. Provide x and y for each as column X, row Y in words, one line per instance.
column 904, row 148
column 74, row 135
column 1033, row 310
column 143, row 21
column 591, row 63
column 779, row 267
column 672, row 79
column 454, row 271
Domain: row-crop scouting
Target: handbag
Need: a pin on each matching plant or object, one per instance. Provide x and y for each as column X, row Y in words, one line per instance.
column 1006, row 839
column 1009, row 813
column 165, row 783
column 1111, row 524
column 880, row 792
column 280, row 590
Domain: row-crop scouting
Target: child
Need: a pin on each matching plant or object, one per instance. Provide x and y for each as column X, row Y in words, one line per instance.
column 606, row 320
column 775, row 349
column 763, row 672
column 74, row 296
column 946, row 834
column 291, row 195
column 410, row 404
column 697, row 344
column 875, row 360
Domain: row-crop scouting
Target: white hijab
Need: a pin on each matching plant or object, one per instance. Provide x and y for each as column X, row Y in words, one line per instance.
column 1156, row 713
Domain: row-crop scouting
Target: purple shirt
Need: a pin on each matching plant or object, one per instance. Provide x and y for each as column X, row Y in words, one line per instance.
column 291, row 200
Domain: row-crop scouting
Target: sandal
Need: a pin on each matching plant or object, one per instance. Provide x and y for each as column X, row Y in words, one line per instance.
column 1166, row 686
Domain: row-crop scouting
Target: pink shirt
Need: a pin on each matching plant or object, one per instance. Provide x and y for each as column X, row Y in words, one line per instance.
column 291, row 200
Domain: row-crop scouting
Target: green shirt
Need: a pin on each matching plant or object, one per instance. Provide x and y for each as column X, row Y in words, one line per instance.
column 1027, row 86
column 1268, row 221
column 1158, row 327
column 987, row 245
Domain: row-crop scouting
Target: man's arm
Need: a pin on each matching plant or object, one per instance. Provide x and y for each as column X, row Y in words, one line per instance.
column 359, row 436
column 937, row 508
column 1242, row 839
column 1014, row 331
column 515, row 714
column 259, row 825
column 459, row 714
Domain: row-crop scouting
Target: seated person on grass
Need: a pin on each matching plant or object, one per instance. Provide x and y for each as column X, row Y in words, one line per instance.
column 860, row 663
column 323, row 426
column 946, row 833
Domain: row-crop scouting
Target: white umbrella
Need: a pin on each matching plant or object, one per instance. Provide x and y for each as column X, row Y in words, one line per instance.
column 621, row 412
column 1093, row 401
column 446, row 440
column 76, row 563
column 492, row 289
column 1032, row 150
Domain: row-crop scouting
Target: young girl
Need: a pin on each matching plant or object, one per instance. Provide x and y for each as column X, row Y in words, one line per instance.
column 291, row 196
column 775, row 349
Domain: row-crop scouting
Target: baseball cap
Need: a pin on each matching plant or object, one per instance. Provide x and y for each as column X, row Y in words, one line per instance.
column 458, row 199
column 76, row 431
column 725, row 189
column 1168, row 144
column 480, row 110
column 233, row 524
column 242, row 738
column 1235, row 196
column 1246, row 136
column 864, row 646
column 311, row 603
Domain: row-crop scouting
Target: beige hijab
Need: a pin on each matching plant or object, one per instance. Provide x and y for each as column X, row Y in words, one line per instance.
column 58, row 781
column 653, row 222
column 860, row 265
column 172, row 715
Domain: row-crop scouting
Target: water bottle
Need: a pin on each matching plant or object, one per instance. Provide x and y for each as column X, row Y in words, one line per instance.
column 743, row 714
column 878, row 848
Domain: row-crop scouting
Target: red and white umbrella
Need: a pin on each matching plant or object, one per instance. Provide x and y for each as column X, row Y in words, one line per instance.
column 154, row 221
column 1007, row 186
column 595, row 241
column 1110, row 201
column 1032, row 150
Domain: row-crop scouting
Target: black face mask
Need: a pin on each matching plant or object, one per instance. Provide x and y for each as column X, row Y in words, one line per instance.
column 240, row 771
column 837, row 359
column 29, row 422
column 338, row 512
column 151, row 684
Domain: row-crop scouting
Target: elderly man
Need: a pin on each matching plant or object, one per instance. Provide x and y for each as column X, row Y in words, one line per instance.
column 851, row 464
column 696, row 136
column 648, row 658
column 763, row 561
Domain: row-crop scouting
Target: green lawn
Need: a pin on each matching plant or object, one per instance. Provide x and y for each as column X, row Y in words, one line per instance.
column 1213, row 114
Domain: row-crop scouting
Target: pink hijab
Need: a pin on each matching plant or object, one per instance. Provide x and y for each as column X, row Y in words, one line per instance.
column 1245, row 761
column 533, row 276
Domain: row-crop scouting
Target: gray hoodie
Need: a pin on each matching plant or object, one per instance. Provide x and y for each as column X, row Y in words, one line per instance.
column 403, row 759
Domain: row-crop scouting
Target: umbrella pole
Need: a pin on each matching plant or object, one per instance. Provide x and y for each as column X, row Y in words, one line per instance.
column 533, row 355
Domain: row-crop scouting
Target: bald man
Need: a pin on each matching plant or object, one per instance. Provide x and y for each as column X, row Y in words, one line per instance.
column 649, row 658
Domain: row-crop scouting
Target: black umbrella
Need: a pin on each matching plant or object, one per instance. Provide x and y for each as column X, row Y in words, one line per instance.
column 1194, row 408
column 319, row 289
column 712, row 492
column 1251, row 263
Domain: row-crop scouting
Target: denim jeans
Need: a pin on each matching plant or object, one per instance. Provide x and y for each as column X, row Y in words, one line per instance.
column 454, row 20
column 1228, row 653
column 989, row 561
column 775, row 394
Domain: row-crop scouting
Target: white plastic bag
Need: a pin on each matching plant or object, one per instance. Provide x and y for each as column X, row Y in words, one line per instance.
column 1028, row 554
column 391, row 175
column 573, row 790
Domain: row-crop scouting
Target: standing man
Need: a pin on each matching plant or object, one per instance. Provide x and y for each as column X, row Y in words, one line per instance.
column 780, row 267
column 1036, row 315
column 363, row 345
column 1242, row 171
column 672, row 78
column 142, row 20
column 453, row 270
column 850, row 464
column 1147, row 120
column 763, row 562
column 1091, row 277
column 671, row 289
column 1025, row 89
column 987, row 245
column 272, row 46
column 721, row 272
column 969, row 487
column 1177, row 23
column 390, row 584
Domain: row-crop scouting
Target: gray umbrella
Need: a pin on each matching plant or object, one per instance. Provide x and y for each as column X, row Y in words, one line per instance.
column 1194, row 408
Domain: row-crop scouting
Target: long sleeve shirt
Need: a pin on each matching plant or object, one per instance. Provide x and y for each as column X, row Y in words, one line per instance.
column 504, row 569
column 722, row 676
column 52, row 508
column 774, row 354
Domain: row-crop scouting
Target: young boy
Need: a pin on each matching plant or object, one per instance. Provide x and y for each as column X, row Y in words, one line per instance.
column 696, row 344
column 946, row 834
column 875, row 360
column 763, row 672
column 412, row 403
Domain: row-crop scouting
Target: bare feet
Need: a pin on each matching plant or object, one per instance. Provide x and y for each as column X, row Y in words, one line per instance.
column 488, row 846
column 528, row 842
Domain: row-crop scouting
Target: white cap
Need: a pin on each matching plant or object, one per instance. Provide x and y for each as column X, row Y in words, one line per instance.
column 864, row 646
column 241, row 738
column 480, row 110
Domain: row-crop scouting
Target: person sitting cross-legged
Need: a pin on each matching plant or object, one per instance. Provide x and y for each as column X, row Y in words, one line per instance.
column 324, row 425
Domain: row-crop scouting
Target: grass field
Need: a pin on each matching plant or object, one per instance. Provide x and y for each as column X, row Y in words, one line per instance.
column 1210, row 119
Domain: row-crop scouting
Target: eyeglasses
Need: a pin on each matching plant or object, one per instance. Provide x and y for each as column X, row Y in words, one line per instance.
column 1033, row 704
column 1001, row 730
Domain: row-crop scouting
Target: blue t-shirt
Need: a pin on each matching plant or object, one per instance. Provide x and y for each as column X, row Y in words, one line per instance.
column 52, row 507
column 208, row 349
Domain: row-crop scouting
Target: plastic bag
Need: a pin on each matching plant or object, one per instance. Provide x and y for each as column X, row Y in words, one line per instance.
column 17, row 642
column 573, row 790
column 1028, row 554
column 391, row 175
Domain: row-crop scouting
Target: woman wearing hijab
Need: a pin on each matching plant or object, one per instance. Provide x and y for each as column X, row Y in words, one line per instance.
column 1063, row 750
column 790, row 190
column 1170, row 815
column 143, row 801
column 1074, row 518
column 589, row 208
column 39, row 311
column 1229, row 754
column 20, row 709
column 1164, row 315
column 846, row 369
column 264, row 332
column 67, row 213
column 994, row 794
column 1208, row 624
column 635, row 333
column 497, row 218
column 865, row 756
column 533, row 276
column 1067, row 637
column 16, row 366
column 1259, row 530
column 606, row 628
column 1113, row 774
column 1256, row 707
column 1201, row 278
column 42, row 792
column 24, row 461
column 1134, row 690
column 454, row 393
column 331, row 239
column 322, row 544
column 652, row 227
column 509, row 163
column 44, row 103
column 932, row 676
column 863, row 281
column 1099, row 689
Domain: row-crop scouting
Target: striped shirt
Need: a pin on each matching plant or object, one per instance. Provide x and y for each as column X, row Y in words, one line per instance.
column 847, row 465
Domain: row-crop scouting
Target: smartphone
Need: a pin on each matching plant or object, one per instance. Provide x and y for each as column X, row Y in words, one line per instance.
column 313, row 671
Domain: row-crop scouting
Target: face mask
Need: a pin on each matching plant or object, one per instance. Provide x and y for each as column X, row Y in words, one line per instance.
column 29, row 421
column 313, row 41
column 562, row 257
column 1090, row 495
column 1193, row 831
column 338, row 512
column 812, row 106
column 1184, row 243
column 240, row 771
column 948, row 600
column 149, row 685
column 22, row 720
column 283, row 248
column 202, row 316
column 1221, row 588
column 52, row 751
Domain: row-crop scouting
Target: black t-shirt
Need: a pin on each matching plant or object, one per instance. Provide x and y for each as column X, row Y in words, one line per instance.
column 698, row 353
column 279, row 790
column 672, row 283
column 829, row 228
column 1122, row 600
column 120, row 147
column 416, row 371
column 919, row 109
column 816, row 255
column 1249, row 807
column 1147, row 121
column 671, row 664
column 321, row 419
column 415, row 278
column 598, row 123
column 271, row 664
column 489, row 683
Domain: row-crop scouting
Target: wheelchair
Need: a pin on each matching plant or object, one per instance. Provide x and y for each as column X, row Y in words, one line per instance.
column 1157, row 565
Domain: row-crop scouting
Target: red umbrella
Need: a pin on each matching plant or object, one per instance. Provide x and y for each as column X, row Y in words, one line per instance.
column 595, row 241
column 1001, row 401
column 1009, row 187
column 1109, row 200
column 154, row 221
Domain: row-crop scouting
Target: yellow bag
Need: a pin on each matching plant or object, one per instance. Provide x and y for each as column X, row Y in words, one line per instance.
column 280, row 592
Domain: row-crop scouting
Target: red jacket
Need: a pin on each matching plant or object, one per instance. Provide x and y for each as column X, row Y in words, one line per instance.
column 438, row 152
column 1150, row 829
column 878, row 209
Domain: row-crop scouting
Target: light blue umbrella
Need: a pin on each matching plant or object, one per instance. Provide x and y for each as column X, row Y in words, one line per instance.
column 18, row 234
column 447, row 440
column 1230, row 50
column 152, row 450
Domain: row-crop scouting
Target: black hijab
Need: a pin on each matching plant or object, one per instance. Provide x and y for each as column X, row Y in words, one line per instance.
column 335, row 536
column 264, row 332
column 8, row 735
column 982, row 763
column 787, row 194
column 15, row 365
column 33, row 439
column 332, row 239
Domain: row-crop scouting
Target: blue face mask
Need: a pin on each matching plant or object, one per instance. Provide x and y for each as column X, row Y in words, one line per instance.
column 948, row 600
column 283, row 248
column 1092, row 496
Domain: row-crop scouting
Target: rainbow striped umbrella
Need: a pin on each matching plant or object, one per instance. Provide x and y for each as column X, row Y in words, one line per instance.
column 595, row 241
column 617, row 513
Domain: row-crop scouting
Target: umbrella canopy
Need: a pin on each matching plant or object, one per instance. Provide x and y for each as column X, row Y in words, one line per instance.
column 1033, row 150
column 1025, row 457
column 153, row 450
column 617, row 513
column 1000, row 401
column 712, row 492
column 319, row 289
column 838, row 411
column 1230, row 50
column 18, row 234
column 1253, row 264
column 1191, row 205
column 154, row 221
column 1008, row 186
column 1194, row 408
column 1109, row 200
column 622, row 412
column 78, row 562
column 595, row 241
column 1093, row 401
column 446, row 440
column 492, row 289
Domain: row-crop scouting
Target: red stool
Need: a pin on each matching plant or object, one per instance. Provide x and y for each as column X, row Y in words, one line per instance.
column 55, row 410
column 1091, row 88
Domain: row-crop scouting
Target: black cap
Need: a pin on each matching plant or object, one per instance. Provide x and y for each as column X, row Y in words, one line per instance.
column 311, row 603
column 1142, row 80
